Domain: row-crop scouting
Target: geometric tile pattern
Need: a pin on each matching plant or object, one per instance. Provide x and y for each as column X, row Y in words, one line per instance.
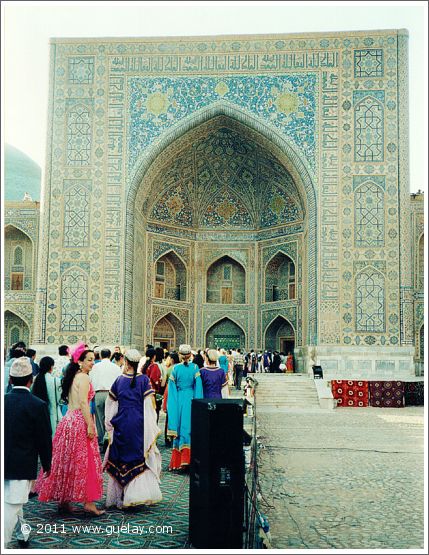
column 369, row 130
column 223, row 180
column 369, row 63
column 81, row 70
column 74, row 293
column 369, row 215
column 370, row 301
column 76, row 213
column 78, row 136
column 327, row 109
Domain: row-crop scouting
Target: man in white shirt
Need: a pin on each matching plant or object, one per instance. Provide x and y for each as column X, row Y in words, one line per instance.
column 102, row 377
column 61, row 361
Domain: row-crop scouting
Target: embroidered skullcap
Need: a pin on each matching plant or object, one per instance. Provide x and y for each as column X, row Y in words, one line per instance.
column 133, row 355
column 184, row 350
column 213, row 355
column 21, row 367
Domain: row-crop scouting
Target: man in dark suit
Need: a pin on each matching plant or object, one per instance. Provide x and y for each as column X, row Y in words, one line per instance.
column 27, row 435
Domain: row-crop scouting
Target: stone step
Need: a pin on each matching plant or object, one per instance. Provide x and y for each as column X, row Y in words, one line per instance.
column 296, row 391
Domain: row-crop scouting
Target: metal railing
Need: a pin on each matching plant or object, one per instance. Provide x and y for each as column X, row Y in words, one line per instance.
column 255, row 523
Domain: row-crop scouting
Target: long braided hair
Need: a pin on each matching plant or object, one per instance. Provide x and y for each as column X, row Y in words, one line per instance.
column 134, row 366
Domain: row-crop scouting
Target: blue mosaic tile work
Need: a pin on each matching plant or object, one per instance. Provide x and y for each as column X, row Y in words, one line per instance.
column 74, row 295
column 81, row 70
column 76, row 212
column 150, row 100
column 223, row 180
column 369, row 62
column 369, row 126
column 369, row 211
column 79, row 136
column 287, row 102
column 370, row 301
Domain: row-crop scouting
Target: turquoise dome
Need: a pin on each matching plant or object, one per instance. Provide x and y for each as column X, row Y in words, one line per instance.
column 22, row 175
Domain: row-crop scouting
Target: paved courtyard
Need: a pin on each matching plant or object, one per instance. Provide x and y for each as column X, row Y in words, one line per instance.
column 162, row 526
column 349, row 478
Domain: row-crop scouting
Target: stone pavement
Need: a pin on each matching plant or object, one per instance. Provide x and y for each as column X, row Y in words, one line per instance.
column 350, row 478
column 117, row 529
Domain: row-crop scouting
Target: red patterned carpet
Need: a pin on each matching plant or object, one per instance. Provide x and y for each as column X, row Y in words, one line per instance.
column 350, row 393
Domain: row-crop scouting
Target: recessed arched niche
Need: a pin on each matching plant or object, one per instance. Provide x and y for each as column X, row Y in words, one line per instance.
column 225, row 334
column 280, row 279
column 170, row 278
column 15, row 329
column 226, row 282
column 169, row 332
column 280, row 336
column 18, row 260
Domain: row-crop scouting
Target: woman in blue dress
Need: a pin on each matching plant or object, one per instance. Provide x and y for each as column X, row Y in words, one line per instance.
column 214, row 379
column 183, row 386
column 132, row 458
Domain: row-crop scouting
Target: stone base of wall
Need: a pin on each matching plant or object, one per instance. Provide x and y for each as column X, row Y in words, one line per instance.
column 360, row 363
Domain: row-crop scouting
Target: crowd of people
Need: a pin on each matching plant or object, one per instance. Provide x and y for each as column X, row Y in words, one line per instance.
column 94, row 410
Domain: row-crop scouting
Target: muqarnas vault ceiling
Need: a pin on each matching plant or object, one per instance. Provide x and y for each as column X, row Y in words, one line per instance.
column 224, row 179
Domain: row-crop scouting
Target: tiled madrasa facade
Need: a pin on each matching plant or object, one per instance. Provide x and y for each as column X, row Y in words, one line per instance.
column 244, row 191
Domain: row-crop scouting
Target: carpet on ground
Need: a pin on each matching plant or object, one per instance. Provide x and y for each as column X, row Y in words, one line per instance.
column 386, row 394
column 350, row 393
column 414, row 394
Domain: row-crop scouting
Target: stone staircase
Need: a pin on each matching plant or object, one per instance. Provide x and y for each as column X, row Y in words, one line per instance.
column 286, row 391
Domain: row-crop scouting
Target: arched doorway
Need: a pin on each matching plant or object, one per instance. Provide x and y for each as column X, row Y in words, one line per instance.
column 226, row 282
column 15, row 329
column 225, row 334
column 280, row 336
column 169, row 333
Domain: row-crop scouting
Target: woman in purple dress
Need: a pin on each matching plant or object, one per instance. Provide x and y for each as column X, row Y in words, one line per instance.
column 214, row 379
column 132, row 459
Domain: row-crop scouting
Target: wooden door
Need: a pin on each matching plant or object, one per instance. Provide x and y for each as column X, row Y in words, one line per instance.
column 226, row 294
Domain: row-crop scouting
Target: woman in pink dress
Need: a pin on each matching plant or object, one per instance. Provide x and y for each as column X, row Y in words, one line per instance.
column 76, row 473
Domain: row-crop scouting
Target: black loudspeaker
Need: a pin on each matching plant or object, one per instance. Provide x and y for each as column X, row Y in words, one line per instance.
column 317, row 372
column 216, row 494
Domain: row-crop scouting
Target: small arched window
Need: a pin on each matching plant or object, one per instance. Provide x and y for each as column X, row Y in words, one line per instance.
column 17, row 256
column 14, row 335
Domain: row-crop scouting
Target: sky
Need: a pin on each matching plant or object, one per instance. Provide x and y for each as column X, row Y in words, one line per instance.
column 28, row 26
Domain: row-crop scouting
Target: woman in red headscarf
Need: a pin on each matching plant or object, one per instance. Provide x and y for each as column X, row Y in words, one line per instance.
column 76, row 473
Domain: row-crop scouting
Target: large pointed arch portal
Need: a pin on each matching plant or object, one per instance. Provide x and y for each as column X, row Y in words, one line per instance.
column 146, row 182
